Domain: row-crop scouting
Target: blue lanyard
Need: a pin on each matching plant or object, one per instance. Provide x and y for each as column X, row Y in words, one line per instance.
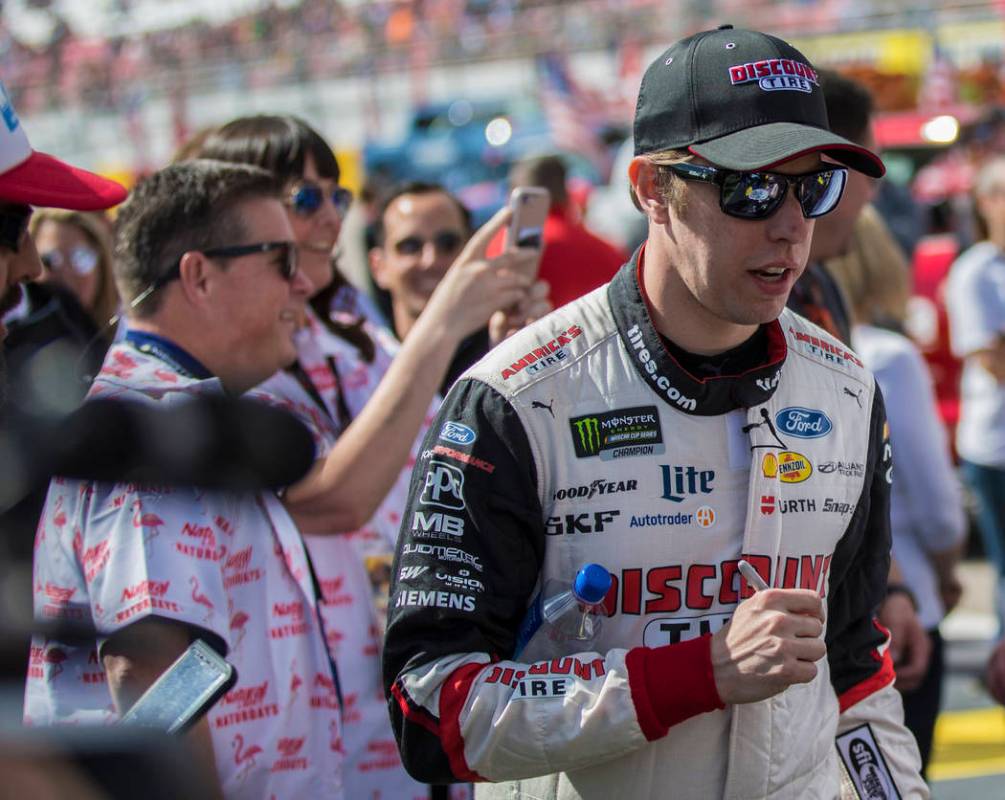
column 168, row 352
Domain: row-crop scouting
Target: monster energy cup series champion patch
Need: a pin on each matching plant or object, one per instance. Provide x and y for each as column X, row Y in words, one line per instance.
column 622, row 433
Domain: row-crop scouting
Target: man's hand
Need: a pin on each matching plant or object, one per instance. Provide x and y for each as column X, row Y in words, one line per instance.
column 772, row 642
column 505, row 323
column 910, row 646
column 996, row 673
column 476, row 287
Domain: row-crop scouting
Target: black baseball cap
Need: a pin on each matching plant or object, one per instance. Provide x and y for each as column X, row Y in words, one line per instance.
column 742, row 100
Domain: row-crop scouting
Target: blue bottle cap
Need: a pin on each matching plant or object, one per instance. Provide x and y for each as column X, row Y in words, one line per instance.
column 592, row 583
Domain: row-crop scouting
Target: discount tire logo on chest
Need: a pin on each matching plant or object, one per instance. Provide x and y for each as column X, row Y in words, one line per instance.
column 622, row 433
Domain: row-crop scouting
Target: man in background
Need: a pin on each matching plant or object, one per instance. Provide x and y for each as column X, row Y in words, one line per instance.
column 575, row 260
column 421, row 229
column 29, row 178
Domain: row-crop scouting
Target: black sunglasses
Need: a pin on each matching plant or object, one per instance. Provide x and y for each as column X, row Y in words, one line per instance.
column 758, row 195
column 306, row 197
column 445, row 243
column 287, row 266
column 13, row 224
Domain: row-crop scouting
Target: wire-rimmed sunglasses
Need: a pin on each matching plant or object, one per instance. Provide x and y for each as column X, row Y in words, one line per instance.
column 81, row 259
column 306, row 197
column 758, row 195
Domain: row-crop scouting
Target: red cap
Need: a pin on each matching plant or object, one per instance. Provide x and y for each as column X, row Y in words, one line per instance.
column 38, row 179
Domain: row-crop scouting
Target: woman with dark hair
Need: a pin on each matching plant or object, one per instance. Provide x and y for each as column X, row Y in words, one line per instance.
column 368, row 401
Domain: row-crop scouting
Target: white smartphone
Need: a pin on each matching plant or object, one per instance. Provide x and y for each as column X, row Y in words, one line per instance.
column 530, row 209
column 186, row 691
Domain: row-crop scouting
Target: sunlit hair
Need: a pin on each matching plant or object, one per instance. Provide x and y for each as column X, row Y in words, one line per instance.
column 194, row 205
column 97, row 232
column 671, row 186
column 874, row 274
column 990, row 180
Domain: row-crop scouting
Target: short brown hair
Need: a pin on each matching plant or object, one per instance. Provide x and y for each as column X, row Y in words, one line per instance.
column 670, row 184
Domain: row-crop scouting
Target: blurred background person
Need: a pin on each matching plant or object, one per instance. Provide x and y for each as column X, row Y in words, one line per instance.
column 926, row 509
column 76, row 252
column 368, row 401
column 816, row 295
column 975, row 300
column 575, row 260
column 420, row 228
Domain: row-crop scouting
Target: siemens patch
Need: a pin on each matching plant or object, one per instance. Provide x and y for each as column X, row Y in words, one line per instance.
column 621, row 433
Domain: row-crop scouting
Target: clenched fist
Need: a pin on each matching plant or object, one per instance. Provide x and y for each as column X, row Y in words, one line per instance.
column 772, row 641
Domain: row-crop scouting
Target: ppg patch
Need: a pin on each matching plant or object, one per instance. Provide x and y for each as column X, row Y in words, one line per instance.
column 622, row 433
column 865, row 764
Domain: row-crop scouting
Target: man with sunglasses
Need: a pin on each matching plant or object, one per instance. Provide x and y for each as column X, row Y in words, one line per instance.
column 666, row 426
column 421, row 229
column 207, row 268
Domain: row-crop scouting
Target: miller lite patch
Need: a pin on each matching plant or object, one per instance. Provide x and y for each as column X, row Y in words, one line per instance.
column 865, row 764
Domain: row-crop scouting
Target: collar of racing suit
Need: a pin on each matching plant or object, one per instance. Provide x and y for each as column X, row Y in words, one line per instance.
column 708, row 396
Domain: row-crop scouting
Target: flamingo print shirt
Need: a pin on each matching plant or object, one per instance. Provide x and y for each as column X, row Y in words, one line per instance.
column 351, row 566
column 231, row 566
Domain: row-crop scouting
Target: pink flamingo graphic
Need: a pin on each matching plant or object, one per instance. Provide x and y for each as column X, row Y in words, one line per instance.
column 335, row 742
column 199, row 597
column 242, row 757
column 146, row 521
column 295, row 683
column 55, row 656
column 59, row 518
column 237, row 623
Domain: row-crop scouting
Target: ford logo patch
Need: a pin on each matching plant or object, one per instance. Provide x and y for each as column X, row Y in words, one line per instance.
column 804, row 423
column 457, row 433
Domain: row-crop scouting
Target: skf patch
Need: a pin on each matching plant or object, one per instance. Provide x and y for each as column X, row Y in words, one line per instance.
column 865, row 764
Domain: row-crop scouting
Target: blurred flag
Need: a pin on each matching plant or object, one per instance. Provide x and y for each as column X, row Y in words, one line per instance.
column 938, row 86
column 575, row 115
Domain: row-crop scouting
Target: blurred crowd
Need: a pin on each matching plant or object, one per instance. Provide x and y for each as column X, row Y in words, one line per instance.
column 284, row 43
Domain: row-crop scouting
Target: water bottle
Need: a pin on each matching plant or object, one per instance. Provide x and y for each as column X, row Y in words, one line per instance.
column 564, row 619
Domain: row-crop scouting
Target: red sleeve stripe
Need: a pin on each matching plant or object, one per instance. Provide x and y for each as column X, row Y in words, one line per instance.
column 412, row 712
column 882, row 677
column 651, row 726
column 672, row 683
column 453, row 695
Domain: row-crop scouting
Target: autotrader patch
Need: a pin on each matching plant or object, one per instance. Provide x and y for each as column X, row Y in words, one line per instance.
column 621, row 433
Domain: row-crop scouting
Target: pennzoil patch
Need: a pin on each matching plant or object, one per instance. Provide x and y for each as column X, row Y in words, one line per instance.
column 865, row 764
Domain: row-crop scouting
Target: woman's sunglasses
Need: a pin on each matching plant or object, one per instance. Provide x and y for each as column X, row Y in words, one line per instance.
column 82, row 260
column 306, row 197
column 758, row 195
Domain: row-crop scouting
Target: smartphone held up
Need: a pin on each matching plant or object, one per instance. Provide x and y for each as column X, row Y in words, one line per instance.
column 526, row 229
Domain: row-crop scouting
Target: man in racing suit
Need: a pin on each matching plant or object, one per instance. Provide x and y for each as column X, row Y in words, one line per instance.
column 666, row 426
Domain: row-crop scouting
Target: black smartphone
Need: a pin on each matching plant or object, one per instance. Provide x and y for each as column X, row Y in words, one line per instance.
column 186, row 691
